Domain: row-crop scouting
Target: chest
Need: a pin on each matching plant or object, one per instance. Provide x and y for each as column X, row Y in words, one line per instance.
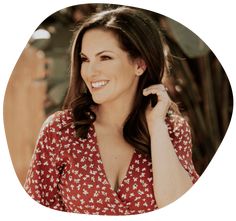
column 84, row 186
column 116, row 155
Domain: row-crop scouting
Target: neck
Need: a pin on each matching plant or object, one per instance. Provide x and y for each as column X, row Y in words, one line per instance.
column 113, row 115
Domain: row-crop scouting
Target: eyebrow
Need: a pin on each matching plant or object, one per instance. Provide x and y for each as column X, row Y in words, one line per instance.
column 82, row 54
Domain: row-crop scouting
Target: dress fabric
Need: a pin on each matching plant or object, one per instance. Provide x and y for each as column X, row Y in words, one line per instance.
column 67, row 173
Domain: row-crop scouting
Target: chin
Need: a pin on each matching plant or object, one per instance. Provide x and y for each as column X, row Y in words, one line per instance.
column 98, row 100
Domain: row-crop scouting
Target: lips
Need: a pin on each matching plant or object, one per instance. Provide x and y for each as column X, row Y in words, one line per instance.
column 99, row 84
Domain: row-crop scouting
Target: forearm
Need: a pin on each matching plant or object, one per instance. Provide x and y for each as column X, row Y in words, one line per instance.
column 170, row 179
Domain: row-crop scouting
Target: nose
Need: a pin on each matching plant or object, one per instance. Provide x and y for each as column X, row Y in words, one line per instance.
column 93, row 68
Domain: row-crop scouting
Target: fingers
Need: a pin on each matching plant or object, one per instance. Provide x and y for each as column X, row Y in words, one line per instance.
column 158, row 89
column 161, row 92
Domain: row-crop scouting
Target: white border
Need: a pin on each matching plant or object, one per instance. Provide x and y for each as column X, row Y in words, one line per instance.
column 213, row 197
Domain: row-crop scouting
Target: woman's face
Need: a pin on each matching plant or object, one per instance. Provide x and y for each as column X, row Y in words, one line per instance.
column 108, row 72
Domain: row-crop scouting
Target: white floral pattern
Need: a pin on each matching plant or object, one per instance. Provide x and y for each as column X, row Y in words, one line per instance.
column 67, row 173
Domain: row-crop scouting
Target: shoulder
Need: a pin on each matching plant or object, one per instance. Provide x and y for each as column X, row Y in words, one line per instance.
column 58, row 121
column 61, row 124
column 54, row 129
column 49, row 142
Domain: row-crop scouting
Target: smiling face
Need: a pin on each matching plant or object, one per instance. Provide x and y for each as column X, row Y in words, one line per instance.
column 107, row 70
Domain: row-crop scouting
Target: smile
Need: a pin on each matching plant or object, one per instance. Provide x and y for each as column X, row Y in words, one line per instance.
column 99, row 84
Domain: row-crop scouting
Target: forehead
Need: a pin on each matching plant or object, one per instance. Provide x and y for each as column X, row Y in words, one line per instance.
column 99, row 39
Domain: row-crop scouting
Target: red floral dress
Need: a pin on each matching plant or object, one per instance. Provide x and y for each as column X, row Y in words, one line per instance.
column 67, row 172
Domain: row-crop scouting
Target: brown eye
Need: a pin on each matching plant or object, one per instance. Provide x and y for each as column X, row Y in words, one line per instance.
column 83, row 59
column 105, row 57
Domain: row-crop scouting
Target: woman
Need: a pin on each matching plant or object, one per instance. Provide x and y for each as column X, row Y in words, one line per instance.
column 115, row 149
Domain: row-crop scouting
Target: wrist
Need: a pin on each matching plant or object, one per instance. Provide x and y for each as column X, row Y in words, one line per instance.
column 157, row 126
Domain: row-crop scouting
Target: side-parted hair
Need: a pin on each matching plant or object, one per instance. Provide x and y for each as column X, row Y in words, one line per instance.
column 139, row 35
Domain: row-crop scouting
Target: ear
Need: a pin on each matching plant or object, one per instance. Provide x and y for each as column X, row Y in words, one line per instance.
column 140, row 66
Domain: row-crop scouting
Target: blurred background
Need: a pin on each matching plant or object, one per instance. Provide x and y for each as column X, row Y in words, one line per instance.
column 38, row 85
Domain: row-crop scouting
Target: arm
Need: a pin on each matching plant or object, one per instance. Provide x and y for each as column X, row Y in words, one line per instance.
column 171, row 160
column 43, row 175
column 171, row 151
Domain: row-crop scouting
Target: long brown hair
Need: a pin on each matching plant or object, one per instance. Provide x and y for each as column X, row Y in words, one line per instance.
column 140, row 37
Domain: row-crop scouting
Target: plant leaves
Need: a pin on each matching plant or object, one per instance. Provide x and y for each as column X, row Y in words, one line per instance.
column 189, row 42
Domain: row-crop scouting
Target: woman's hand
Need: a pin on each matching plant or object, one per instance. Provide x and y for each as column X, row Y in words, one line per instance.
column 157, row 113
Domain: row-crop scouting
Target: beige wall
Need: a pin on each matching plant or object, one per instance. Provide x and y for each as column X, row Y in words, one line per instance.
column 24, row 108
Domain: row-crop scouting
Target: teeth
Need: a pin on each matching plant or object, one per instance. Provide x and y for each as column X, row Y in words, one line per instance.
column 98, row 84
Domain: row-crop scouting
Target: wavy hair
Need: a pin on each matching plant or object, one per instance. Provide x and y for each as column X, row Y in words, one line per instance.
column 139, row 35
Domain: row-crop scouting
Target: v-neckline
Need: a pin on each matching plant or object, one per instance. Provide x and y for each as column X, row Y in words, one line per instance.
column 128, row 170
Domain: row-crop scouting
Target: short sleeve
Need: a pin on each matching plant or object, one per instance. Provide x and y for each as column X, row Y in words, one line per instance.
column 44, row 173
column 180, row 134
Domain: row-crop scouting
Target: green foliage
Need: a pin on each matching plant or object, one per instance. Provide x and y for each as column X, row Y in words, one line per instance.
column 203, row 90
column 189, row 43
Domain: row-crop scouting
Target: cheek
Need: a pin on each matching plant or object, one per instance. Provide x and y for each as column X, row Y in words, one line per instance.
column 83, row 72
column 127, row 74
